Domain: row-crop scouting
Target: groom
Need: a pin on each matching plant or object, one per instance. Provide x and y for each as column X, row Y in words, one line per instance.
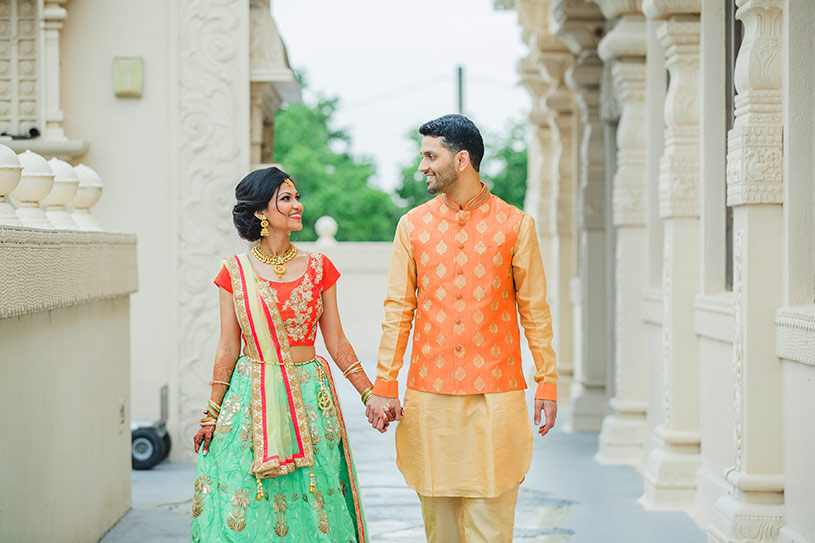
column 464, row 266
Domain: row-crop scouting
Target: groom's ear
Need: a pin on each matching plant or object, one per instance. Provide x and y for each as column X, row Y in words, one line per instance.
column 462, row 160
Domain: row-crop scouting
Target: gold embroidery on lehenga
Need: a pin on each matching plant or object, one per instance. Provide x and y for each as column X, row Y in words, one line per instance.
column 245, row 435
column 202, row 488
column 316, row 437
column 229, row 409
column 319, row 505
column 237, row 518
column 281, row 525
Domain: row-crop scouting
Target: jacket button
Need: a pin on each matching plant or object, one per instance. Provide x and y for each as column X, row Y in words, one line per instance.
column 458, row 321
column 459, row 296
column 458, row 348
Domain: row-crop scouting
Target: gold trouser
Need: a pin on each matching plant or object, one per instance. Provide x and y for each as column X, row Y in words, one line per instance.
column 456, row 519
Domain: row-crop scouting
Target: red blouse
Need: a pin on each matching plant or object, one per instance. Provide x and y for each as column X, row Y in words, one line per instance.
column 300, row 302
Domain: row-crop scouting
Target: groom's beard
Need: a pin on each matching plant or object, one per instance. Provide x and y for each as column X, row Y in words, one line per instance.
column 443, row 179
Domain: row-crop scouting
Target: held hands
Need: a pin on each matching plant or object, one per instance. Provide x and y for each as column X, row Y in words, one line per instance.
column 381, row 411
column 550, row 413
column 204, row 436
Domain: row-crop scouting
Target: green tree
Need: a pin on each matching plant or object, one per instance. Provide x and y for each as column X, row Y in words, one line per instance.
column 503, row 169
column 506, row 165
column 331, row 180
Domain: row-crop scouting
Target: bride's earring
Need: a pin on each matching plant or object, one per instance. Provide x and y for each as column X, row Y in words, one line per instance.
column 264, row 227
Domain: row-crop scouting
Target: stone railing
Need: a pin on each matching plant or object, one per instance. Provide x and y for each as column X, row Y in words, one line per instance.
column 49, row 194
column 65, row 290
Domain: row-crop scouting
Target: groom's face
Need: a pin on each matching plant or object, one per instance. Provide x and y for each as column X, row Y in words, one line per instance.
column 437, row 165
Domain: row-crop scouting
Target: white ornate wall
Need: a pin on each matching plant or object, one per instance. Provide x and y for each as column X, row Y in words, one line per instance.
column 213, row 154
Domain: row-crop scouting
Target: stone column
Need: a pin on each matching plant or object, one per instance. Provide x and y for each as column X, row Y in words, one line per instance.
column 623, row 434
column 580, row 25
column 754, row 511
column 550, row 58
column 53, row 15
column 537, row 201
column 670, row 473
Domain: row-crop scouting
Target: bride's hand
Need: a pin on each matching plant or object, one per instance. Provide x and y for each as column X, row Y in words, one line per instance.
column 204, row 436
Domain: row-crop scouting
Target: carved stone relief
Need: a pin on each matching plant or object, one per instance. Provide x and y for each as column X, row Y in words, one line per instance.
column 213, row 156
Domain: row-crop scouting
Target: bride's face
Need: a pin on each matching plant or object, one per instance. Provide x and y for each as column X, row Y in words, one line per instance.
column 285, row 211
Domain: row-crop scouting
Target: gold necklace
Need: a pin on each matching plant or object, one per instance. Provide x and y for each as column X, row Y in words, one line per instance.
column 275, row 261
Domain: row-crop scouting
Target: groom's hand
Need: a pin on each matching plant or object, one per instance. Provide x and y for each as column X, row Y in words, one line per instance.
column 381, row 411
column 550, row 413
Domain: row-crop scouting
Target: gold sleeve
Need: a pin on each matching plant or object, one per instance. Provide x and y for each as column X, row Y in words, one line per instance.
column 400, row 306
column 536, row 318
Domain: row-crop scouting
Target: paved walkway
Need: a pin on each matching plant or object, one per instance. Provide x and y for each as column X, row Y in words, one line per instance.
column 567, row 496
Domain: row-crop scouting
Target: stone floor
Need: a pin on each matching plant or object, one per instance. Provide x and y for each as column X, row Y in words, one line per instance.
column 567, row 496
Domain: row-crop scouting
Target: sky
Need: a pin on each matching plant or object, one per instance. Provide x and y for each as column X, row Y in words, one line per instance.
column 393, row 66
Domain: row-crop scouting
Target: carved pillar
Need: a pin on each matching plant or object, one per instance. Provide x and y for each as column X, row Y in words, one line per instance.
column 537, row 200
column 580, row 25
column 670, row 474
column 53, row 15
column 623, row 434
column 549, row 59
column 754, row 510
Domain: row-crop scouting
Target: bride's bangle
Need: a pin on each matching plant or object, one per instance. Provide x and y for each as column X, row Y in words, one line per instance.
column 366, row 394
column 353, row 368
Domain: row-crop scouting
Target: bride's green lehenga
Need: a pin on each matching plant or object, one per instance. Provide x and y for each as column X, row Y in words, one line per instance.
column 225, row 505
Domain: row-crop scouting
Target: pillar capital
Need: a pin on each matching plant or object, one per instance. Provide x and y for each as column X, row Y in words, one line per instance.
column 579, row 23
column 754, row 148
column 613, row 9
column 664, row 9
column 626, row 39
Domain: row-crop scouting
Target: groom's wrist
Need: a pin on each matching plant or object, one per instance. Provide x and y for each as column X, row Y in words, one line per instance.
column 386, row 389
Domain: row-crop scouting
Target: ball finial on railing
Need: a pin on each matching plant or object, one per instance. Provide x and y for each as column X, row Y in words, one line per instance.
column 66, row 185
column 10, row 169
column 90, row 190
column 36, row 181
column 326, row 228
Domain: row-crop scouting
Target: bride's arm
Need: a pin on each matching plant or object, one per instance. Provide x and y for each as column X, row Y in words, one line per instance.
column 226, row 356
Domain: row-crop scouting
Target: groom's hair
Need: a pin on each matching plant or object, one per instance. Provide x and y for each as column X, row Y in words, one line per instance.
column 458, row 133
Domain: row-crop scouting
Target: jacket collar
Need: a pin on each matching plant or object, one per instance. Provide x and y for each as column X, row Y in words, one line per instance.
column 470, row 204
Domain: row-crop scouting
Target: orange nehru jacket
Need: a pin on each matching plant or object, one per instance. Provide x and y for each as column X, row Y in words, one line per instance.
column 466, row 272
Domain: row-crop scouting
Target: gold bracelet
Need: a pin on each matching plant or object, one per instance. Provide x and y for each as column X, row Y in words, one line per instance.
column 213, row 423
column 356, row 370
column 350, row 369
column 214, row 382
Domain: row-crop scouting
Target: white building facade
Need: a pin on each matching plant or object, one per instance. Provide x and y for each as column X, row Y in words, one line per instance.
column 670, row 167
column 163, row 106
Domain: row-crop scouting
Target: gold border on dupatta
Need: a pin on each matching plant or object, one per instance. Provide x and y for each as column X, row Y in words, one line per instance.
column 272, row 468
